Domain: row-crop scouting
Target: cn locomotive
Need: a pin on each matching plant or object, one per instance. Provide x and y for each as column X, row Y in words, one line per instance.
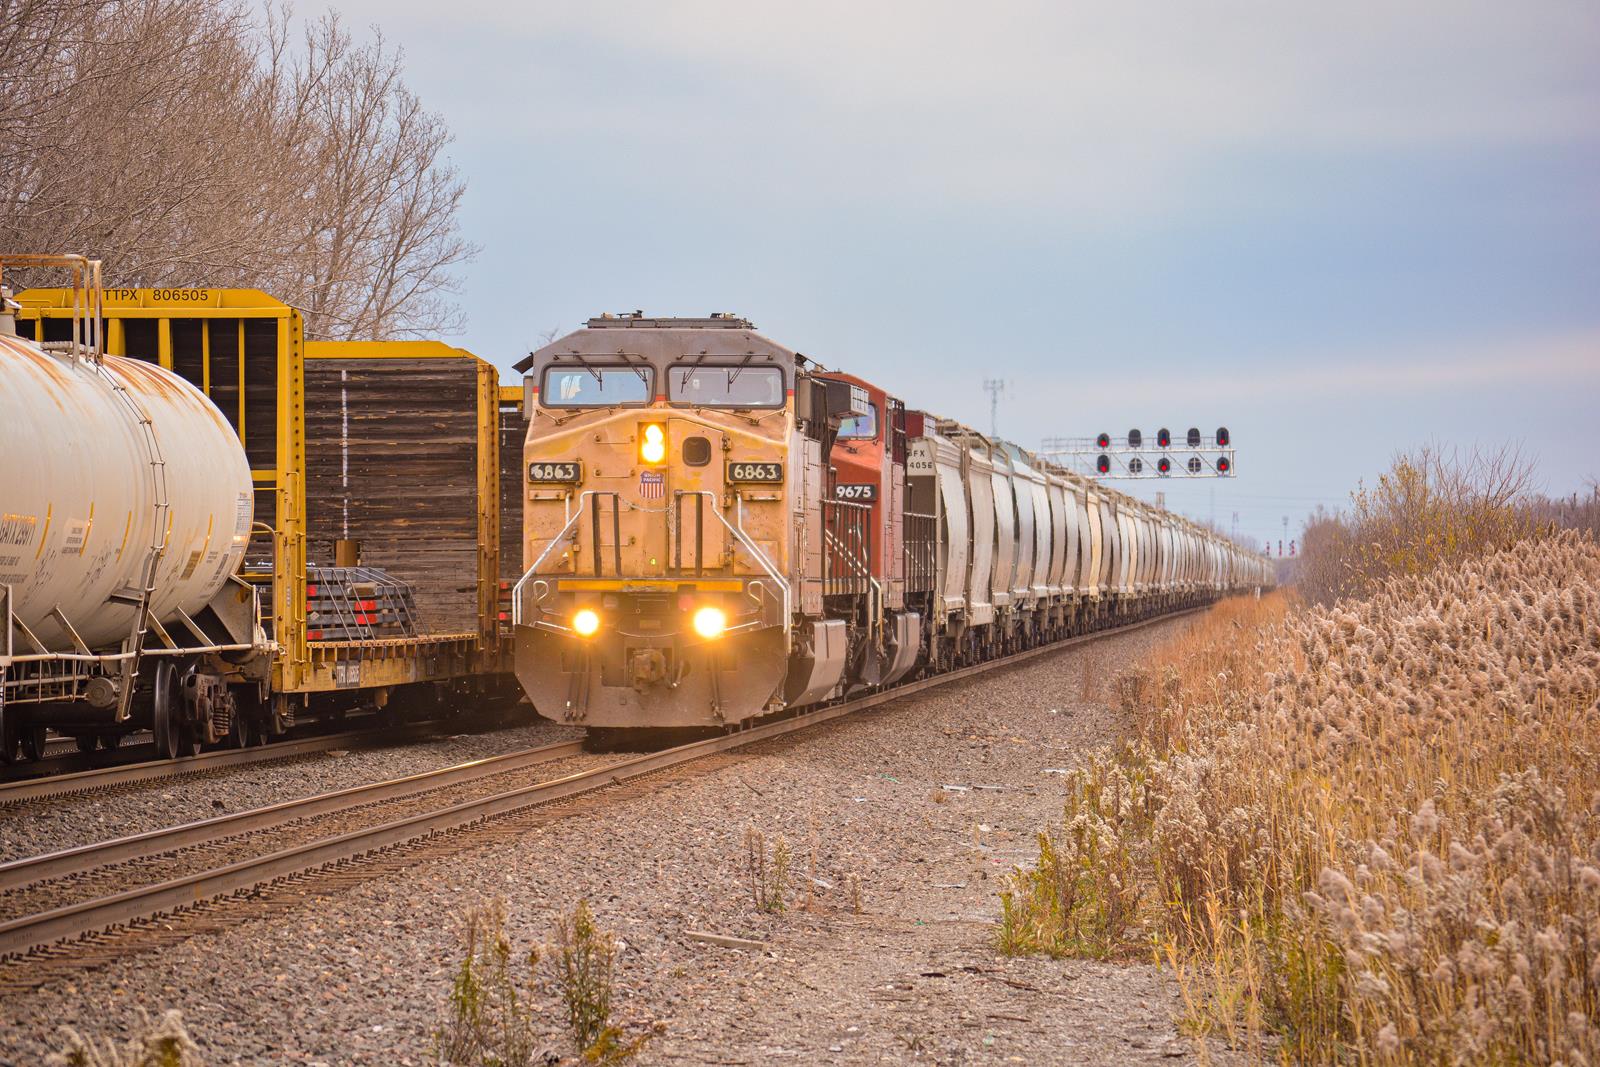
column 717, row 528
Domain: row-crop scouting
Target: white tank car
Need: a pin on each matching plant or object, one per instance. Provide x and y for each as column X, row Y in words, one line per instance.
column 86, row 483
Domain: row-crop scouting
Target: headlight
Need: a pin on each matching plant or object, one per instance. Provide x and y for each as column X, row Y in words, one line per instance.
column 653, row 442
column 586, row 622
column 710, row 622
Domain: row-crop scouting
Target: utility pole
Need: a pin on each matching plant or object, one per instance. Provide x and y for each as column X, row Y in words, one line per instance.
column 994, row 387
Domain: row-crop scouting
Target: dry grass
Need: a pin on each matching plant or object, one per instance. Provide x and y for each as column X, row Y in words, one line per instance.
column 162, row 1043
column 1371, row 832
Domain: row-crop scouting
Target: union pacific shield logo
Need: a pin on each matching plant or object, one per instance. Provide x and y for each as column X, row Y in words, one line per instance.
column 652, row 485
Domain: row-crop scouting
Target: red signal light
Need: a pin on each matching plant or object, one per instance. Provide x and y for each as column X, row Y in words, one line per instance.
column 1222, row 437
column 1164, row 437
column 1103, row 464
column 1103, row 441
column 1223, row 466
column 1164, row 465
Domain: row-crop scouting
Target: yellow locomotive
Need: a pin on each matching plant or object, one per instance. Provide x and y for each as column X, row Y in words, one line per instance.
column 675, row 476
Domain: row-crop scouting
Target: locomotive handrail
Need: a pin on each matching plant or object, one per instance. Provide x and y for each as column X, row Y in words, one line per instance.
column 516, row 590
column 737, row 529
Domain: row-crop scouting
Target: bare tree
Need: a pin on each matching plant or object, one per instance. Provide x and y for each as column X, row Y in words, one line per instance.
column 188, row 143
column 380, row 238
column 1435, row 506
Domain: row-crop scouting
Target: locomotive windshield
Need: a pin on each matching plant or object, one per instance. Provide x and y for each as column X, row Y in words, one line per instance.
column 860, row 426
column 722, row 386
column 595, row 386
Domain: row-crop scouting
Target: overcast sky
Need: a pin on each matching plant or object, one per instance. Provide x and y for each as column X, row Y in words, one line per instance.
column 1337, row 229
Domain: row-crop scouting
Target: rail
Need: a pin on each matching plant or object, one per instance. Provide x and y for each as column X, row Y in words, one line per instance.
column 127, row 773
column 74, row 861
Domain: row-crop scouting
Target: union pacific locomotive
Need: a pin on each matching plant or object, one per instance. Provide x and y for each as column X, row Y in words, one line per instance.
column 716, row 528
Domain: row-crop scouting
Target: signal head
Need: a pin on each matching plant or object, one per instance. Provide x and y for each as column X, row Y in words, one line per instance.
column 1102, row 463
column 1195, row 465
column 1224, row 466
column 1164, row 465
column 1103, row 441
column 1193, row 437
column 1222, row 437
column 1135, row 438
column 1164, row 438
column 1135, row 465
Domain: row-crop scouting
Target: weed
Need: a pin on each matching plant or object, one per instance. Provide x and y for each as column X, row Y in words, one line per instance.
column 490, row 1017
column 768, row 881
column 584, row 956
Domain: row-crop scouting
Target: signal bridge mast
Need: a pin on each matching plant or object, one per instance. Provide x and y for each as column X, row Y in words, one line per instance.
column 1134, row 456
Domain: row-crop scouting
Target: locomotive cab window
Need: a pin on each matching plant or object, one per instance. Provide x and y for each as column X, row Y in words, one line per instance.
column 723, row 386
column 860, row 427
column 595, row 386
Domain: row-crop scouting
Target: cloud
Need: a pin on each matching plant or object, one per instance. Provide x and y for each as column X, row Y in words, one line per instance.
column 1100, row 113
column 1543, row 361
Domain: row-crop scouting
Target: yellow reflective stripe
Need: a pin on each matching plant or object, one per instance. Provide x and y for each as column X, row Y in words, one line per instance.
column 630, row 585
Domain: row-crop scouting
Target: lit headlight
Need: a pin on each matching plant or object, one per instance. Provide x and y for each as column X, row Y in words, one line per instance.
column 710, row 622
column 653, row 443
column 585, row 622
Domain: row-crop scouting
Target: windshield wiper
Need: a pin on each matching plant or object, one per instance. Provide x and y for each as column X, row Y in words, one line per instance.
column 585, row 365
column 699, row 361
column 638, row 369
column 733, row 375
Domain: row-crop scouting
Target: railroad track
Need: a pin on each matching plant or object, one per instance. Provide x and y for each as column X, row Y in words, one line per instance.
column 38, row 936
column 120, row 774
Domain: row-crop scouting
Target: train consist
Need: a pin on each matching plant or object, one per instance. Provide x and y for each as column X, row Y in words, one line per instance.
column 718, row 528
column 212, row 529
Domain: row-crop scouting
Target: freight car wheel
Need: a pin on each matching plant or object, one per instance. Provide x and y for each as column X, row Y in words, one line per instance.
column 110, row 740
column 86, row 742
column 33, row 739
column 189, row 740
column 9, row 736
column 168, row 708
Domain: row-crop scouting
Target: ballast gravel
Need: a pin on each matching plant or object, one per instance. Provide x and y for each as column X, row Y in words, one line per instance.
column 50, row 824
column 900, row 822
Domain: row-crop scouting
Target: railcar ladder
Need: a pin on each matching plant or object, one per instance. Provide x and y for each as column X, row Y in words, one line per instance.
column 133, row 647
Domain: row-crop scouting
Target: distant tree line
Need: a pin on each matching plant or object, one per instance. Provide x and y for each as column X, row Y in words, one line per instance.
column 1433, row 507
column 205, row 143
